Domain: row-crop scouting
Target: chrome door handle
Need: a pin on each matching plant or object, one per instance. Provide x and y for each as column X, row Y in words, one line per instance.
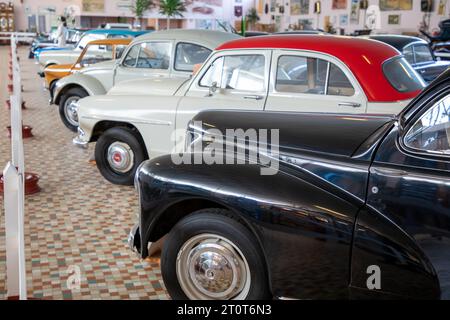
column 388, row 172
column 349, row 104
column 254, row 97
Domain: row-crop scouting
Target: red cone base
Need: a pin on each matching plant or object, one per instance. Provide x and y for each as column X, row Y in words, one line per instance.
column 26, row 132
column 31, row 183
column 8, row 105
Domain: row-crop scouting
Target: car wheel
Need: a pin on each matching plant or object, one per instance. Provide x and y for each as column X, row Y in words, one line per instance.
column 211, row 256
column 118, row 153
column 68, row 110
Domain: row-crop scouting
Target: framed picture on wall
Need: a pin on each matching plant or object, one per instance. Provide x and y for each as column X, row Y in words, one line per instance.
column 343, row 19
column 441, row 7
column 299, row 7
column 394, row 19
column 339, row 4
column 388, row 5
column 354, row 12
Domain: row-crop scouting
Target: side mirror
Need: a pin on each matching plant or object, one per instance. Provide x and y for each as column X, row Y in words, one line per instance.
column 212, row 89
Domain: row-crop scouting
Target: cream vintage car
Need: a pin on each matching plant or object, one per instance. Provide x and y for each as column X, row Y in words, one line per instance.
column 291, row 73
column 161, row 54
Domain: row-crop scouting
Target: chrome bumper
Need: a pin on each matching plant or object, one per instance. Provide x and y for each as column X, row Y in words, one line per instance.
column 134, row 239
column 77, row 141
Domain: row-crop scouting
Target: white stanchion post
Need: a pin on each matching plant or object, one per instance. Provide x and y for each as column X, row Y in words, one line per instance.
column 14, row 194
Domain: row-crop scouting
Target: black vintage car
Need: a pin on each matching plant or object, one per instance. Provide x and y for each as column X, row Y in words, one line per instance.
column 359, row 208
column 418, row 53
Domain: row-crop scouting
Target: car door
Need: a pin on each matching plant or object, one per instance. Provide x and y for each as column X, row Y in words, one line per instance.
column 302, row 81
column 410, row 185
column 229, row 80
column 145, row 60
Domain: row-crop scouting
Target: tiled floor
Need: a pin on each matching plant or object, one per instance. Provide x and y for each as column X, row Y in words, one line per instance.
column 78, row 219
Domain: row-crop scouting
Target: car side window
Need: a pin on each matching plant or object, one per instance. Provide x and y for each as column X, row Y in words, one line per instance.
column 237, row 72
column 431, row 133
column 301, row 75
column 298, row 74
column 408, row 53
column 422, row 53
column 188, row 54
column 213, row 74
column 120, row 49
column 338, row 83
column 131, row 58
column 154, row 55
column 95, row 54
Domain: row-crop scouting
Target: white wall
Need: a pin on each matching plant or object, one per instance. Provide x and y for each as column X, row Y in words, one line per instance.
column 409, row 19
column 112, row 8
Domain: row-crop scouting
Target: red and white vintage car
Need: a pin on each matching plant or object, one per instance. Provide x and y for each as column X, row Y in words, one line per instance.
column 290, row 73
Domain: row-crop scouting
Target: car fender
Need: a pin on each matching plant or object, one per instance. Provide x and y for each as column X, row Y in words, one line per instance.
column 291, row 218
column 404, row 268
column 154, row 121
column 90, row 84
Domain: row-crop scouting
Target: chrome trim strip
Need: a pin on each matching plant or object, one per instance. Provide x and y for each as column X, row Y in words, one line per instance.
column 155, row 122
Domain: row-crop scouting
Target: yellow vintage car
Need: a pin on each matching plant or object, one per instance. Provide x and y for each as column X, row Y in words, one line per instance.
column 95, row 52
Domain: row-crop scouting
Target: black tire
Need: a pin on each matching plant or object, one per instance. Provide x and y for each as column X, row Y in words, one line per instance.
column 216, row 221
column 124, row 135
column 69, row 94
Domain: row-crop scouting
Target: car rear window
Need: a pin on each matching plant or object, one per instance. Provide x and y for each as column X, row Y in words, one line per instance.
column 402, row 76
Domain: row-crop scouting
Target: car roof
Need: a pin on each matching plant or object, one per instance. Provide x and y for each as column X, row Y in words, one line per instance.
column 397, row 41
column 207, row 38
column 115, row 41
column 364, row 57
column 117, row 32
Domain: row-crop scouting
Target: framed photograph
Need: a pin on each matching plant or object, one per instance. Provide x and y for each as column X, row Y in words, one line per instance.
column 354, row 12
column 339, row 4
column 93, row 5
column 394, row 19
column 238, row 11
column 389, row 5
column 343, row 19
column 299, row 7
column 441, row 7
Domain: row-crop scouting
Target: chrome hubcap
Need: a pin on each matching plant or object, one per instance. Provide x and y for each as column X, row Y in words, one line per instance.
column 120, row 157
column 210, row 266
column 71, row 110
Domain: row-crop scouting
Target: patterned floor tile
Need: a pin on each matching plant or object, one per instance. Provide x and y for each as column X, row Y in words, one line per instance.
column 78, row 219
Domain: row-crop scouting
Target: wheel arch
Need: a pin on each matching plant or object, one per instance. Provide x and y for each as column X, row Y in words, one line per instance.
column 178, row 210
column 104, row 125
column 89, row 84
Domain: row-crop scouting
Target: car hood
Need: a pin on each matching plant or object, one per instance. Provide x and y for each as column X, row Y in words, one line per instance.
column 105, row 65
column 332, row 134
column 149, row 86
column 70, row 55
column 58, row 68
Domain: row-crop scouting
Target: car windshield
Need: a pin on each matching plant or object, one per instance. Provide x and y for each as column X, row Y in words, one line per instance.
column 86, row 38
column 402, row 76
column 422, row 53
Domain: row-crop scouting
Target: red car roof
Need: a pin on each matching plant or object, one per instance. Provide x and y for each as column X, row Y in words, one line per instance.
column 364, row 57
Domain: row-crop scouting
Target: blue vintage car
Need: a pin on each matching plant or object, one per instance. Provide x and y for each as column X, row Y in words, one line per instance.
column 417, row 52
column 73, row 36
column 68, row 55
